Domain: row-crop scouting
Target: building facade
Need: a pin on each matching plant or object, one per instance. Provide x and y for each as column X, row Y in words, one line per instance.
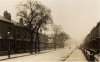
column 19, row 37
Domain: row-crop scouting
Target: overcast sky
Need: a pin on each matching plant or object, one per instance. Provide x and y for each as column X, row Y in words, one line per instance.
column 77, row 17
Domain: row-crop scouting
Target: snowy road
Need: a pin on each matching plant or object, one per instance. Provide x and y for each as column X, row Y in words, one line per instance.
column 50, row 56
column 77, row 56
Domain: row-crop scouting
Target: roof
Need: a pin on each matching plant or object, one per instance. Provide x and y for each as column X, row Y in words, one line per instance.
column 4, row 19
column 8, row 21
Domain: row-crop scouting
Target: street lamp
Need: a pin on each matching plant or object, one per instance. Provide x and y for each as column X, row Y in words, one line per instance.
column 8, row 33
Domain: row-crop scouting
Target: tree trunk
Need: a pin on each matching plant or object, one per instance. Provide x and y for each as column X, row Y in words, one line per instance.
column 38, row 41
column 54, row 44
column 31, row 43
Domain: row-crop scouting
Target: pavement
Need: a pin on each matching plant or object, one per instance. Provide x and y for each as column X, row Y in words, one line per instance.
column 77, row 56
column 59, row 55
column 46, row 56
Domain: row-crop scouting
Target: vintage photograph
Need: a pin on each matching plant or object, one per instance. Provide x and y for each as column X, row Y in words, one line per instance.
column 49, row 30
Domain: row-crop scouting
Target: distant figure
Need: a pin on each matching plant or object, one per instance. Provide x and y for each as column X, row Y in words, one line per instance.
column 97, row 52
column 92, row 57
column 69, row 47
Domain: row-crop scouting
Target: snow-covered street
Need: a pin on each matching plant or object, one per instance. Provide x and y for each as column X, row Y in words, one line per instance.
column 44, row 56
column 59, row 55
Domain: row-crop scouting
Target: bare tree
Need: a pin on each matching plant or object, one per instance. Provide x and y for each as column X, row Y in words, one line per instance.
column 35, row 16
column 56, row 31
column 62, row 37
column 59, row 36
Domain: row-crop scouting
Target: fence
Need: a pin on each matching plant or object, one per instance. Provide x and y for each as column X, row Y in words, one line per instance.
column 89, row 56
column 20, row 46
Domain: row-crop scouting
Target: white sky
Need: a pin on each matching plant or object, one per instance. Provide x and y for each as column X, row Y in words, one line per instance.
column 77, row 17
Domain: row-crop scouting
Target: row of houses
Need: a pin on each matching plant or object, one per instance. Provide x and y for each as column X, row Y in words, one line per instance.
column 92, row 40
column 19, row 37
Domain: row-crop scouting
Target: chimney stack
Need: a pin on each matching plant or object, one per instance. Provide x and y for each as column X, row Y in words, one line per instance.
column 7, row 15
column 21, row 21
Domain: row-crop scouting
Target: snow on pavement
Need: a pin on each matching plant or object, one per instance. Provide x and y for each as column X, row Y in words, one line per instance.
column 50, row 56
column 77, row 56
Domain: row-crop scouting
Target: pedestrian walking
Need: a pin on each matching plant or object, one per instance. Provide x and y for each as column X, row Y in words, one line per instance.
column 92, row 57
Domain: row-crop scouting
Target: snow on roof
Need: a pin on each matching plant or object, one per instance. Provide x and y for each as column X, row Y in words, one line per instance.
column 4, row 19
column 8, row 21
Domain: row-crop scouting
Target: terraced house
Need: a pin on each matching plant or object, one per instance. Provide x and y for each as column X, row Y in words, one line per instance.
column 15, row 37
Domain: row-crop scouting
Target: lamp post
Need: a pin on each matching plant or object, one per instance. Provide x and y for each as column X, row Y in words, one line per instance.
column 8, row 33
